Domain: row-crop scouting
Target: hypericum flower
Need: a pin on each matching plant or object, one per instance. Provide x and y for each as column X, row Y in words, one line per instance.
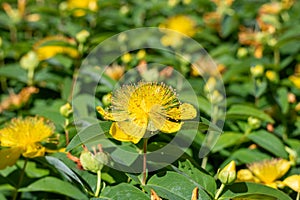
column 80, row 7
column 23, row 136
column 267, row 171
column 147, row 106
column 53, row 45
column 293, row 182
column 180, row 23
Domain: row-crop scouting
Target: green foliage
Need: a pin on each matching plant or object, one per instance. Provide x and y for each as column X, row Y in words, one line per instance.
column 255, row 46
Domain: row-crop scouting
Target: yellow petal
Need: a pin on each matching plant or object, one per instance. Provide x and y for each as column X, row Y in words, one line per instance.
column 34, row 150
column 293, row 182
column 187, row 111
column 184, row 112
column 170, row 127
column 118, row 133
column 9, row 157
column 106, row 115
column 245, row 175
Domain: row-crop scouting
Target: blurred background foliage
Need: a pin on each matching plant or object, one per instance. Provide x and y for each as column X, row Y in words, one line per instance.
column 255, row 45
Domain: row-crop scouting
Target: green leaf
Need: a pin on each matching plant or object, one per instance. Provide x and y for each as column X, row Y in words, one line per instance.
column 55, row 185
column 14, row 71
column 282, row 99
column 202, row 178
column 252, row 191
column 123, row 191
column 245, row 111
column 248, row 156
column 89, row 133
column 49, row 110
column 32, row 170
column 269, row 142
column 227, row 139
column 175, row 186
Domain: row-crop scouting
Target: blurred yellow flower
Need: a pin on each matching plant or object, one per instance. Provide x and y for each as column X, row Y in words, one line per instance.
column 295, row 79
column 53, row 45
column 293, row 182
column 257, row 70
column 80, row 7
column 147, row 106
column 115, row 71
column 126, row 58
column 23, row 136
column 180, row 23
column 266, row 172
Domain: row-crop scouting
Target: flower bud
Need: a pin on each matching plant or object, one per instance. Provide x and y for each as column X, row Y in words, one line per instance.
column 292, row 155
column 254, row 122
column 257, row 70
column 141, row 54
column 272, row 76
column 126, row 58
column 82, row 36
column 242, row 52
column 66, row 110
column 228, row 174
column 106, row 99
column 29, row 61
column 93, row 162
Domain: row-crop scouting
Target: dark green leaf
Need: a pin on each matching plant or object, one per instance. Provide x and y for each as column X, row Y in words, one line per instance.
column 175, row 186
column 55, row 185
column 244, row 111
column 227, row 139
column 269, row 142
column 123, row 191
column 252, row 191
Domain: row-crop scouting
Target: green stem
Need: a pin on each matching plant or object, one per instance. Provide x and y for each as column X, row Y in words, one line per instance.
column 145, row 161
column 220, row 190
column 20, row 179
column 98, row 183
column 204, row 162
column 298, row 196
column 30, row 76
column 276, row 58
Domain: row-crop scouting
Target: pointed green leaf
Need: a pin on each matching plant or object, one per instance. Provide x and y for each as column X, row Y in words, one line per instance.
column 55, row 185
column 245, row 111
column 269, row 142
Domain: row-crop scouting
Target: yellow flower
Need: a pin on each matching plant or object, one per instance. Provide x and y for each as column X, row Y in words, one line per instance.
column 79, row 7
column 147, row 106
column 180, row 23
column 53, row 45
column 23, row 136
column 266, row 172
column 295, row 79
column 293, row 182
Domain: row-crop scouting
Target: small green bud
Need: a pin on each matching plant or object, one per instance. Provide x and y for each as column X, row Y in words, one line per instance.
column 254, row 122
column 93, row 162
column 106, row 99
column 242, row 52
column 29, row 61
column 66, row 110
column 228, row 174
column 82, row 36
column 257, row 70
